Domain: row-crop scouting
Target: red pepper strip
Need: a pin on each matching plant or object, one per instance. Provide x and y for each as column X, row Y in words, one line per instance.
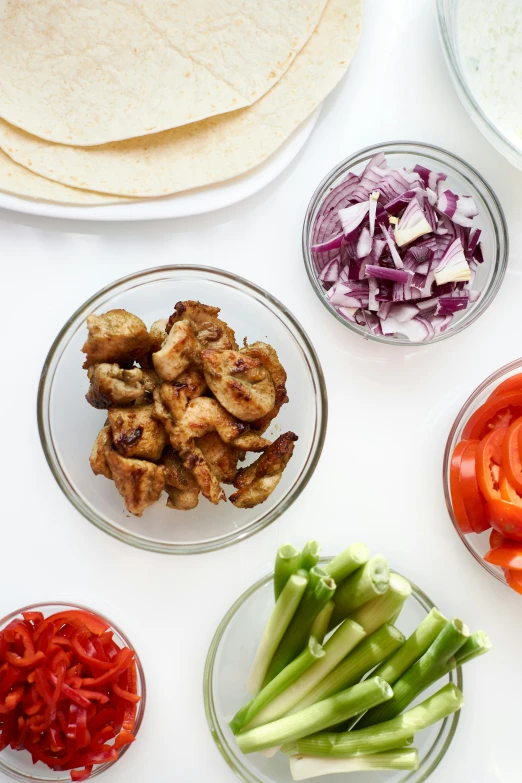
column 74, row 682
column 84, row 657
column 33, row 617
column 57, row 744
column 27, row 660
column 94, row 696
column 35, row 708
column 98, row 648
column 122, row 661
column 102, row 756
column 81, row 774
column 78, row 618
column 71, row 694
column 3, row 646
column 63, row 641
column 74, row 671
column 14, row 698
column 8, row 680
column 102, row 737
column 133, row 697
column 72, row 726
column 105, row 716
column 43, row 642
column 124, row 738
column 82, row 735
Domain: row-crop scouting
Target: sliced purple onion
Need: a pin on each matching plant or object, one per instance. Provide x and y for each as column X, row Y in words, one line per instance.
column 396, row 250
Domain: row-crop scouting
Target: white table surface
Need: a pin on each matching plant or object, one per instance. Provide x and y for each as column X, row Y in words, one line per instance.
column 379, row 478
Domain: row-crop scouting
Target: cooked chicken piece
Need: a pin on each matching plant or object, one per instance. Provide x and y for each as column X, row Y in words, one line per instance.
column 211, row 331
column 140, row 483
column 136, row 433
column 256, row 482
column 97, row 459
column 180, row 485
column 110, row 385
column 251, row 441
column 179, row 350
column 172, row 397
column 269, row 358
column 150, row 380
column 241, row 383
column 203, row 415
column 221, row 457
column 157, row 334
column 116, row 336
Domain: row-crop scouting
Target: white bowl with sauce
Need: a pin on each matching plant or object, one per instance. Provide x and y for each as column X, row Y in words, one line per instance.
column 482, row 44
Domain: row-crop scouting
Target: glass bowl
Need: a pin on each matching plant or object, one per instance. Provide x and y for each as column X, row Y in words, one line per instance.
column 463, row 179
column 68, row 425
column 18, row 764
column 226, row 670
column 447, row 11
column 477, row 544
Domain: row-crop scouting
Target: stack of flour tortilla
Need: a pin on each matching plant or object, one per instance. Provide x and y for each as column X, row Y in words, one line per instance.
column 104, row 100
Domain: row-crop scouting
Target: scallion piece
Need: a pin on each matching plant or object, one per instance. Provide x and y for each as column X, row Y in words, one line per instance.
column 317, row 717
column 385, row 736
column 414, row 647
column 279, row 684
column 477, row 644
column 345, row 639
column 286, row 564
column 319, row 591
column 348, row 561
column 305, row 767
column 427, row 670
column 368, row 582
column 310, row 555
column 275, row 629
column 371, row 651
column 320, row 625
column 380, row 610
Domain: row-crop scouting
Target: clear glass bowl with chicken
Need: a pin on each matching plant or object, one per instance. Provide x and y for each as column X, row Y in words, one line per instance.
column 202, row 426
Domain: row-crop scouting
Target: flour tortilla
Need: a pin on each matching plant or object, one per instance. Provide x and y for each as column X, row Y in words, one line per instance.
column 211, row 151
column 87, row 72
column 19, row 181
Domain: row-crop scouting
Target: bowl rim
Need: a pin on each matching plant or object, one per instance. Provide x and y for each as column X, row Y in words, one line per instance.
column 501, row 234
column 213, row 722
column 463, row 414
column 98, row 769
column 154, row 274
column 457, row 72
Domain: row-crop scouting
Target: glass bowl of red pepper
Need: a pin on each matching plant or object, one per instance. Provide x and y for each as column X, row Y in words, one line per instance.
column 482, row 474
column 72, row 693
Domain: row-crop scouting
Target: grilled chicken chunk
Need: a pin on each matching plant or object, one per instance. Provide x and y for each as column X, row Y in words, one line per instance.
column 140, row 483
column 136, row 433
column 241, row 383
column 257, row 482
column 115, row 336
column 211, row 331
column 110, row 385
column 180, row 485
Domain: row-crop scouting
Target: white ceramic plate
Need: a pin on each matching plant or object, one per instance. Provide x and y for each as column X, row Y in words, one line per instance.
column 194, row 202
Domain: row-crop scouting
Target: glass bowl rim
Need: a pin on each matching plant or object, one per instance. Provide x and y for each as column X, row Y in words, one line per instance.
column 128, row 282
column 464, row 413
column 445, row 24
column 208, row 676
column 97, row 770
column 489, row 196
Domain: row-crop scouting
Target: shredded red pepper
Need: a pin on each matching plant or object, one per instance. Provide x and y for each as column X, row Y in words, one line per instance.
column 68, row 691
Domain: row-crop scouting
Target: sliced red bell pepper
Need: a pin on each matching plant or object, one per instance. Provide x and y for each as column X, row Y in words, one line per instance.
column 124, row 738
column 496, row 412
column 121, row 662
column 506, row 518
column 88, row 658
column 514, row 579
column 125, row 695
column 506, row 556
column 81, row 774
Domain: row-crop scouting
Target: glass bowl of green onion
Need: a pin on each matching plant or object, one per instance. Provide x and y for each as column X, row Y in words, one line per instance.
column 259, row 746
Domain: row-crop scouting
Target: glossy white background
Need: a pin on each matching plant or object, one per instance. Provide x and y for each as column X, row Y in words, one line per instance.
column 391, row 408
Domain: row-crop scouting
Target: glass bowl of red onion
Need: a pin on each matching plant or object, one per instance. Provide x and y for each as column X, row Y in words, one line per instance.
column 405, row 243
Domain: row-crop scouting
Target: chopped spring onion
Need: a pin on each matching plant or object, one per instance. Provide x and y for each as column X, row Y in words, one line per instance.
column 306, row 767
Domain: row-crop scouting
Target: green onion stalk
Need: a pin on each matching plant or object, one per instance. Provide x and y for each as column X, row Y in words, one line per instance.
column 317, row 717
column 279, row 684
column 427, row 670
column 415, row 646
column 388, row 735
column 368, row 582
column 319, row 591
column 370, row 652
column 348, row 561
column 320, row 625
column 306, row 767
column 310, row 555
column 275, row 629
column 382, row 609
column 286, row 563
column 343, row 641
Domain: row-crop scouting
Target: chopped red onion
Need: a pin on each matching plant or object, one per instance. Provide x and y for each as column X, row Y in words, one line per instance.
column 396, row 250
